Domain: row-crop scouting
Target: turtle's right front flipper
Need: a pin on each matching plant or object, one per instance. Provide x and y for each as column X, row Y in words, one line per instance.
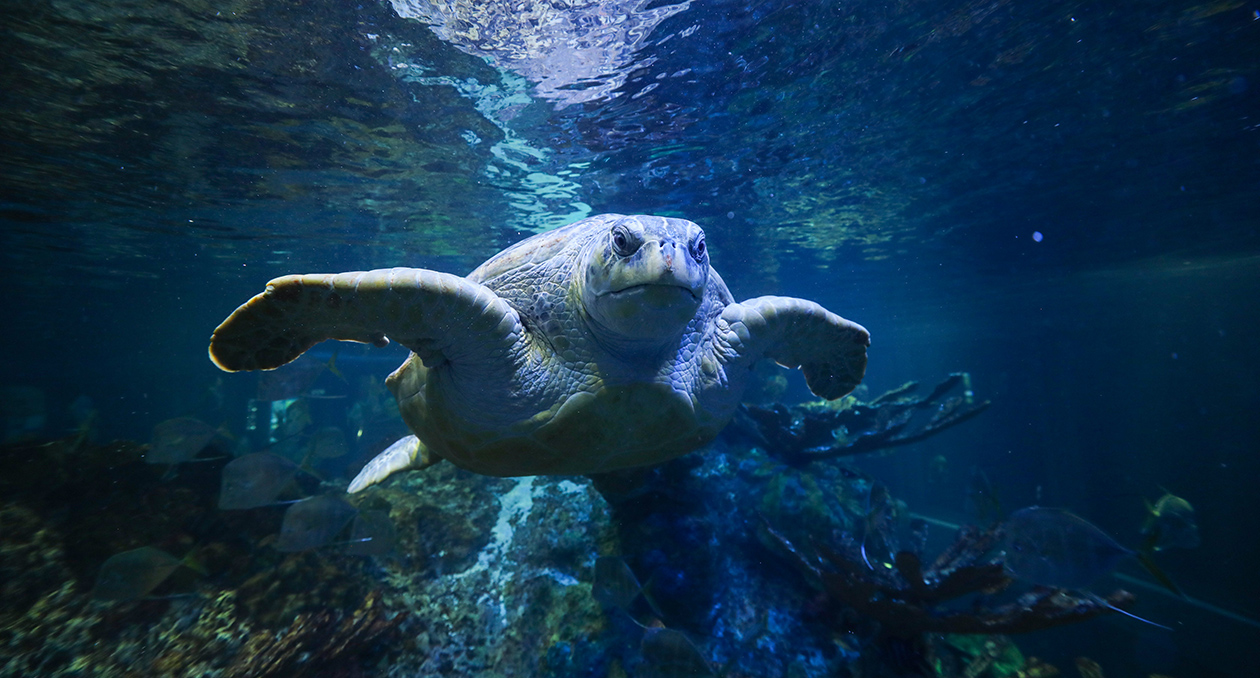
column 441, row 317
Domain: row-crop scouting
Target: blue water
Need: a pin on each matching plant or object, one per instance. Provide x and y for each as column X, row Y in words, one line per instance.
column 1057, row 198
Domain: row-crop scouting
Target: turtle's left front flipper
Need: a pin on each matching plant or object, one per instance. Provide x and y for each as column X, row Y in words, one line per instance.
column 830, row 350
column 441, row 317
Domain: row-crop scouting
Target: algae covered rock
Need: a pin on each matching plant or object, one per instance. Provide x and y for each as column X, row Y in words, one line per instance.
column 496, row 573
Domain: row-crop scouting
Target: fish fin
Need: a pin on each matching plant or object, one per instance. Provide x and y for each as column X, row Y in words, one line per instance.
column 202, row 460
column 864, row 558
column 224, row 432
column 1144, row 557
column 305, row 467
column 332, row 367
column 1150, row 543
column 193, row 563
column 646, row 592
column 866, row 527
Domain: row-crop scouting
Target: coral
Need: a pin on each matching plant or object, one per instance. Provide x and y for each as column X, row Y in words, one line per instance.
column 802, row 434
column 905, row 602
column 682, row 528
column 907, row 599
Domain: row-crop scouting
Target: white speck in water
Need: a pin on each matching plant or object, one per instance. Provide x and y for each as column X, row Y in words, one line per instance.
column 1037, row 236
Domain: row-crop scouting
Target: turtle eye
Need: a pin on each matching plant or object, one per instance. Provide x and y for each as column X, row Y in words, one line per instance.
column 623, row 242
column 698, row 248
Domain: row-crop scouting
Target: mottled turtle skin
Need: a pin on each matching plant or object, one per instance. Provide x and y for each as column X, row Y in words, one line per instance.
column 606, row 344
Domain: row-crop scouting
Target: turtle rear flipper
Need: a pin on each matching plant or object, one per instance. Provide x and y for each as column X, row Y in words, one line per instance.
column 441, row 317
column 406, row 453
column 830, row 350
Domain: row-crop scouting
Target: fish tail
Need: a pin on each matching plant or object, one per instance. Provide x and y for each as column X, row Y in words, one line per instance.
column 646, row 592
column 305, row 467
column 332, row 367
column 193, row 563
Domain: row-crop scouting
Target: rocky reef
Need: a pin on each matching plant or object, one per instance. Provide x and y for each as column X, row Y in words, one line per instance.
column 495, row 569
column 752, row 562
column 67, row 505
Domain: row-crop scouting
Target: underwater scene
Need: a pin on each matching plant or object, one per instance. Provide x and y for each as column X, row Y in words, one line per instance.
column 630, row 338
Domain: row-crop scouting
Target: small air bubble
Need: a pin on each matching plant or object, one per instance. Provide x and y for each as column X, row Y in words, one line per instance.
column 1037, row 236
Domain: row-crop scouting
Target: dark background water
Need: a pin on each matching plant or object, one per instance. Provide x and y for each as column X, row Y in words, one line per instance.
column 892, row 161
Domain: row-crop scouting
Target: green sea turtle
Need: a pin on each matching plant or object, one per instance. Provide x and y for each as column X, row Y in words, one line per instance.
column 607, row 344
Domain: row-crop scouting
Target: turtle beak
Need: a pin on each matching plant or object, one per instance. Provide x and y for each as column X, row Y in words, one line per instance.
column 666, row 263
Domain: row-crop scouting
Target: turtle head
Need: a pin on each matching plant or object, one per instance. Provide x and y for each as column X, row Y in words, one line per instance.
column 645, row 278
